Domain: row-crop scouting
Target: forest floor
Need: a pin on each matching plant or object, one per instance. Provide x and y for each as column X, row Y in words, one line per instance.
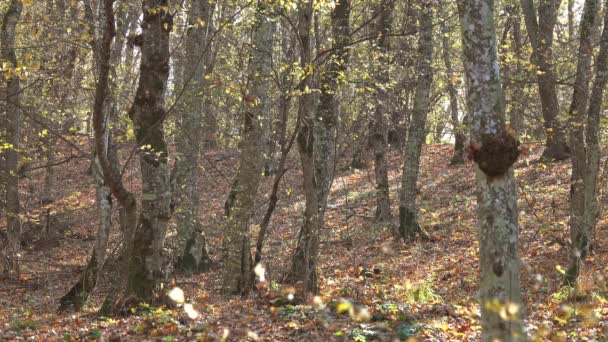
column 371, row 287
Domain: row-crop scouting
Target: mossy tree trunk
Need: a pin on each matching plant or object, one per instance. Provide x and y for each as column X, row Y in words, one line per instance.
column 496, row 193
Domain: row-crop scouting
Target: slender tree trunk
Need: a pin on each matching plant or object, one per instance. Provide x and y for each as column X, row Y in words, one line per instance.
column 308, row 237
column 284, row 144
column 457, row 127
column 378, row 130
column 191, row 240
column 241, row 200
column 585, row 157
column 11, row 133
column 495, row 151
column 408, row 220
column 540, row 31
column 77, row 296
column 317, row 147
column 516, row 118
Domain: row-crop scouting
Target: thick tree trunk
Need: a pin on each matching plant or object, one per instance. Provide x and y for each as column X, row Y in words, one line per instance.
column 148, row 115
column 240, row 203
column 191, row 241
column 408, row 220
column 11, row 134
column 584, row 140
column 378, row 130
column 540, row 31
column 495, row 152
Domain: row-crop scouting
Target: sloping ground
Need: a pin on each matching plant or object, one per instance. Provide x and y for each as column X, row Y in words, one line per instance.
column 371, row 287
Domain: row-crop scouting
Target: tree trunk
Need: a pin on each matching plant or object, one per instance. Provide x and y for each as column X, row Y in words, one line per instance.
column 540, row 31
column 191, row 240
column 516, row 114
column 584, row 140
column 77, row 296
column 11, row 134
column 284, row 144
column 495, row 152
column 408, row 221
column 378, row 130
column 240, row 203
column 457, row 127
column 148, row 114
column 317, row 146
column 308, row 237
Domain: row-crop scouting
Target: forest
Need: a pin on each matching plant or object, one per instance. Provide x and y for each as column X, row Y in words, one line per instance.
column 303, row 170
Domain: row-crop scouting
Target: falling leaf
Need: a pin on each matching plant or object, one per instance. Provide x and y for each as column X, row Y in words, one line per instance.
column 177, row 295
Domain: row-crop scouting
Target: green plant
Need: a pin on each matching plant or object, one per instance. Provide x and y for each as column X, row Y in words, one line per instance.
column 562, row 294
column 22, row 325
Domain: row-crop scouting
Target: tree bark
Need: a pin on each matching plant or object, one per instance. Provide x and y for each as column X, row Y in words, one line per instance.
column 11, row 134
column 378, row 130
column 584, row 139
column 540, row 31
column 317, row 146
column 241, row 200
column 148, row 115
column 516, row 114
column 408, row 220
column 500, row 295
column 191, row 240
column 457, row 126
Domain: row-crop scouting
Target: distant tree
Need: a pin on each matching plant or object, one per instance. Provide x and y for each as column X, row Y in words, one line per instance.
column 10, row 134
column 494, row 150
column 458, row 129
column 540, row 24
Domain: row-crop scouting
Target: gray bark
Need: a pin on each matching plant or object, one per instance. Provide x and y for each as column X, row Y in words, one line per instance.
column 78, row 294
column 516, row 119
column 240, row 203
column 584, row 139
column 11, row 133
column 408, row 220
column 457, row 127
column 317, row 146
column 148, row 114
column 191, row 240
column 495, row 150
column 378, row 129
column 540, row 30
